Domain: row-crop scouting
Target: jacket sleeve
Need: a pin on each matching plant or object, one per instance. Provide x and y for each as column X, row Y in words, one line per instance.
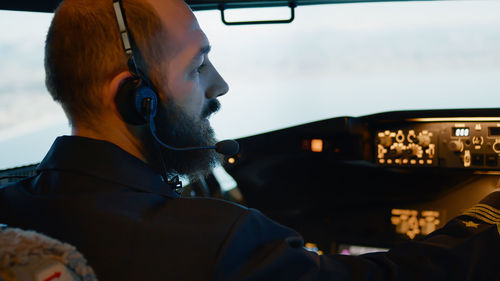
column 466, row 248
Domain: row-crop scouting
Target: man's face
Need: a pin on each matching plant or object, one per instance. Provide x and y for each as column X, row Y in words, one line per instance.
column 192, row 82
column 189, row 87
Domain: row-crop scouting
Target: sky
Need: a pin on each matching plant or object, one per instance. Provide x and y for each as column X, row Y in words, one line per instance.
column 333, row 60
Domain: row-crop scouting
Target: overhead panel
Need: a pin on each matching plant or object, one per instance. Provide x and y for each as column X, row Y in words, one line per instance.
column 50, row 5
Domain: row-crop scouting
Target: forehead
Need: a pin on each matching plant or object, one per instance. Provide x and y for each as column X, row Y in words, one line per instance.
column 184, row 32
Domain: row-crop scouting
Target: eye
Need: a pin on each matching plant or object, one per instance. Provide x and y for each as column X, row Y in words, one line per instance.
column 200, row 68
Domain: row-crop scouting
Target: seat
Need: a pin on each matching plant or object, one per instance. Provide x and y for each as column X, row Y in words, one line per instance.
column 30, row 256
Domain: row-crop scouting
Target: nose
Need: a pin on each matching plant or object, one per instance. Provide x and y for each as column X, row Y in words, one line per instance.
column 218, row 86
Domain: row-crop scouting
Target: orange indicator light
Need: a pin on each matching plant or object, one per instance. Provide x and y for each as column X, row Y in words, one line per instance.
column 316, row 145
column 231, row 160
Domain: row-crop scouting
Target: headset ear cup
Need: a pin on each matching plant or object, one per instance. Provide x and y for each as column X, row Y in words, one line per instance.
column 126, row 101
column 144, row 92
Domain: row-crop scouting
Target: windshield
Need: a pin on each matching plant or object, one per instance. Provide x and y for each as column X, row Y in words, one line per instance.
column 333, row 60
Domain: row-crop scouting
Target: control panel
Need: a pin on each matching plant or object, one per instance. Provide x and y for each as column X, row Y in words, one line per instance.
column 454, row 144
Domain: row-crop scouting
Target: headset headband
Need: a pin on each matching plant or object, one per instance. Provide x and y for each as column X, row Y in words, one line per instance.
column 125, row 37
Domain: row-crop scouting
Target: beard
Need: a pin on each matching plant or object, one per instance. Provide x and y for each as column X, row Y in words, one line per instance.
column 178, row 129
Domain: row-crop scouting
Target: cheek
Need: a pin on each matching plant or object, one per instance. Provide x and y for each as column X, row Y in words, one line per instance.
column 188, row 95
column 179, row 87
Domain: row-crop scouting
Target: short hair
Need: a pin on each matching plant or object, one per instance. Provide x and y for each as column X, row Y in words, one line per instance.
column 83, row 51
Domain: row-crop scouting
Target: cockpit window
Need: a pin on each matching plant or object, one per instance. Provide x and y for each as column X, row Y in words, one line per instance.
column 356, row 59
column 29, row 119
column 333, row 60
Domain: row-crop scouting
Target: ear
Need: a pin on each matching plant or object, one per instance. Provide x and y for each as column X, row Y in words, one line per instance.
column 112, row 88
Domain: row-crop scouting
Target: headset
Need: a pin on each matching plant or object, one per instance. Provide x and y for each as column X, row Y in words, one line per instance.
column 137, row 99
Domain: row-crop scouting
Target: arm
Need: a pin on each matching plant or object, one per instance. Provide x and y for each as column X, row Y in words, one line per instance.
column 467, row 248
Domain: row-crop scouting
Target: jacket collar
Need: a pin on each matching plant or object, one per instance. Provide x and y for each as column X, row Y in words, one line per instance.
column 104, row 160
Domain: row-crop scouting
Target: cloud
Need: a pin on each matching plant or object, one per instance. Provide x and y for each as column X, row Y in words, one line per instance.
column 339, row 41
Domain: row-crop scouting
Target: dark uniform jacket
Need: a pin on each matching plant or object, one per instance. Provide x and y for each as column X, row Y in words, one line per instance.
column 131, row 226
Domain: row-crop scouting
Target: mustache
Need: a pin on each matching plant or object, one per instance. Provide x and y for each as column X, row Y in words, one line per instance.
column 212, row 107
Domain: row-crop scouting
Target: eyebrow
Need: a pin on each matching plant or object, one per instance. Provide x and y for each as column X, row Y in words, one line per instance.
column 203, row 51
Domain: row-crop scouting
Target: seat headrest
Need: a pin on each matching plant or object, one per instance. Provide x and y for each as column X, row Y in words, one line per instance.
column 31, row 256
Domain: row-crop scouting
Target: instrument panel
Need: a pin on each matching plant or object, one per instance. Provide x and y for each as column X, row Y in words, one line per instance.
column 435, row 142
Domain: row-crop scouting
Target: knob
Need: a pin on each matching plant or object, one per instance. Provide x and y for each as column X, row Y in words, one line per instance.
column 477, row 140
column 397, row 149
column 496, row 146
column 386, row 141
column 456, row 145
column 400, row 137
column 424, row 140
column 412, row 136
column 413, row 150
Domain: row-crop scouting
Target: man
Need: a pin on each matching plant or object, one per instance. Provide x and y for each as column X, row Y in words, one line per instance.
column 105, row 189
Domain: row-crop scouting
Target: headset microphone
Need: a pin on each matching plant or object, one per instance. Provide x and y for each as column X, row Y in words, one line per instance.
column 226, row 147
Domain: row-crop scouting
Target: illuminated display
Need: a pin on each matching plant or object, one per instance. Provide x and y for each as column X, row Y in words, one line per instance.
column 354, row 250
column 494, row 131
column 460, row 132
column 412, row 222
column 312, row 247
